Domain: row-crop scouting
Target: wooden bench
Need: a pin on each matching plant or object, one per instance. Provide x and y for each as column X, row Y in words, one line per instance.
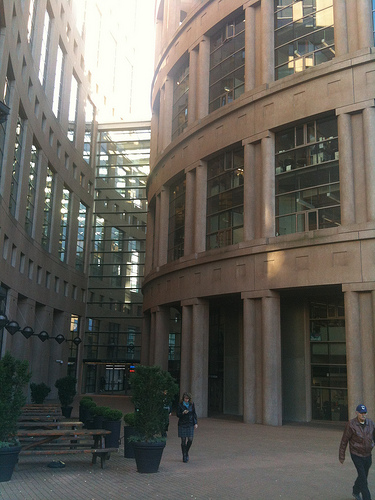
column 43, row 412
column 67, row 424
column 65, row 441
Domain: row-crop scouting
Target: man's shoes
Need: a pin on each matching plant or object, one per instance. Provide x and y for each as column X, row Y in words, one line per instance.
column 357, row 496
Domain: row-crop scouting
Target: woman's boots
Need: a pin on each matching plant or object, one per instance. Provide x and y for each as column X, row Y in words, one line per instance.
column 184, row 453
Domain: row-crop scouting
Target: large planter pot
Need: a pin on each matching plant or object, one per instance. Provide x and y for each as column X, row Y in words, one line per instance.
column 113, row 439
column 66, row 411
column 8, row 459
column 148, row 456
column 98, row 422
column 129, row 431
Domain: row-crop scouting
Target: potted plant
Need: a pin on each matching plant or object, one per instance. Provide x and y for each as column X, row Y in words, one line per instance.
column 66, row 387
column 98, row 413
column 14, row 377
column 151, row 386
column 39, row 392
column 129, row 433
column 85, row 404
column 112, row 422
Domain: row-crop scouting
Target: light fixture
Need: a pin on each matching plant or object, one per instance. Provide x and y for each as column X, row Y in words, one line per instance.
column 3, row 320
column 59, row 338
column 27, row 332
column 12, row 327
column 43, row 335
column 77, row 341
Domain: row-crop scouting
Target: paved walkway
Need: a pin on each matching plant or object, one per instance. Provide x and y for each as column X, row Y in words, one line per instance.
column 228, row 460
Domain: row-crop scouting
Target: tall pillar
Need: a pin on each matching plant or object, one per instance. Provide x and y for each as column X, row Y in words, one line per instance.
column 163, row 226
column 249, row 192
column 199, row 361
column 192, row 102
column 200, row 207
column 203, row 79
column 57, row 363
column 272, row 401
column 268, row 56
column 150, row 240
column 369, row 146
column 249, row 47
column 41, row 350
column 353, row 349
column 145, row 338
column 161, row 337
column 268, row 185
column 189, row 212
column 346, row 169
column 367, row 345
column 341, row 28
column 364, row 14
column 186, row 342
column 167, row 114
column 152, row 336
column 249, row 372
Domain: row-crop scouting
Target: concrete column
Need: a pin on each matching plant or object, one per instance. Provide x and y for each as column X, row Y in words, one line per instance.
column 249, row 48
column 161, row 337
column 186, row 342
column 346, row 169
column 272, row 401
column 364, row 14
column 22, row 347
column 58, row 352
column 41, row 350
column 167, row 114
column 203, row 79
column 145, row 338
column 189, row 213
column 268, row 56
column 367, row 345
column 155, row 262
column 341, row 28
column 152, row 337
column 163, row 226
column 353, row 349
column 369, row 146
column 11, row 313
column 249, row 192
column 149, row 255
column 199, row 361
column 249, row 373
column 161, row 129
column 192, row 102
column 268, row 185
column 200, row 207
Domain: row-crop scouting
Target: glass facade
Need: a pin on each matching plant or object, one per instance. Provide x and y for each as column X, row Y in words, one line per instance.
column 48, row 208
column 328, row 360
column 227, row 63
column 73, row 106
column 31, row 21
column 225, row 199
column 16, row 166
column 3, row 124
column 64, row 224
column 304, row 35
column 89, row 124
column 180, row 101
column 59, row 81
column 176, row 226
column 31, row 190
column 114, row 306
column 44, row 50
column 81, row 237
column 307, row 177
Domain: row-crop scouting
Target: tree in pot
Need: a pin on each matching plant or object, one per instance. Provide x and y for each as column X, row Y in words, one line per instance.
column 39, row 392
column 151, row 387
column 66, row 388
column 85, row 409
column 14, row 376
column 98, row 413
column 129, row 433
column 112, row 422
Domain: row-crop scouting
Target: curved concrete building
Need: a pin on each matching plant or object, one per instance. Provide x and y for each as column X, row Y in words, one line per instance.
column 259, row 291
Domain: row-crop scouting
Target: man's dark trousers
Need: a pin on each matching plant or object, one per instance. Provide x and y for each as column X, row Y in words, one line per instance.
column 362, row 464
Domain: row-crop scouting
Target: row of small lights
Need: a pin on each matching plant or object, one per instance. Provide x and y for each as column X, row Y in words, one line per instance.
column 13, row 327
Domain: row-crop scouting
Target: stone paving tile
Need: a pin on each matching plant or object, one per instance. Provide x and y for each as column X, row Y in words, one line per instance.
column 228, row 460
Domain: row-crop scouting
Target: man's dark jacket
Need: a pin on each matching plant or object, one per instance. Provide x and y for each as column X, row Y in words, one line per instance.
column 360, row 438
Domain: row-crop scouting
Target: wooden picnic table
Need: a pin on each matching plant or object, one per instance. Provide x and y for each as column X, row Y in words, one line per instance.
column 61, row 441
column 60, row 424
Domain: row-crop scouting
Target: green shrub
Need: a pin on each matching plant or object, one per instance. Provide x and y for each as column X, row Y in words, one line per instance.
column 87, row 403
column 66, row 387
column 100, row 411
column 111, row 414
column 39, row 392
column 129, row 419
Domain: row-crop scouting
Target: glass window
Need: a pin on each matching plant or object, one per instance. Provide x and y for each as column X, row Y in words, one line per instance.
column 64, row 224
column 225, row 199
column 89, row 123
column 176, row 225
column 304, row 35
column 31, row 190
column 180, row 101
column 73, row 108
column 328, row 360
column 48, row 209
column 81, row 237
column 16, row 166
column 59, row 80
column 31, row 21
column 227, row 63
column 307, row 177
column 44, row 49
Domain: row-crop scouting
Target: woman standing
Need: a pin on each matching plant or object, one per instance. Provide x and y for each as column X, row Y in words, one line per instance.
column 187, row 422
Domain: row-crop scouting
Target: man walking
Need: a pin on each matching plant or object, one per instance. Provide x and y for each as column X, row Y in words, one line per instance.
column 359, row 432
